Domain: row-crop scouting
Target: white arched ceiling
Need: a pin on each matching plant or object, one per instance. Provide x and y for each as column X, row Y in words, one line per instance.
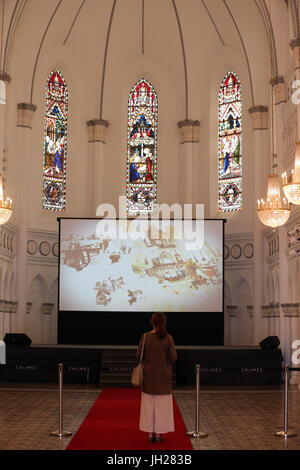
column 101, row 32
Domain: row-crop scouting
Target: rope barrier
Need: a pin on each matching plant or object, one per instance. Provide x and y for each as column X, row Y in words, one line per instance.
column 285, row 433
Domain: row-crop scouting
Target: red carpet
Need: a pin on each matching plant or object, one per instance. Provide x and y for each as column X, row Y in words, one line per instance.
column 113, row 424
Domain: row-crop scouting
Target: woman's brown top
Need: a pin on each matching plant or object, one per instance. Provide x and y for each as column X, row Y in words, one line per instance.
column 159, row 356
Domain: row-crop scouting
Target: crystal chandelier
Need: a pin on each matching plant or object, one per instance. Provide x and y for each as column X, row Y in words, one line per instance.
column 273, row 212
column 291, row 184
column 5, row 206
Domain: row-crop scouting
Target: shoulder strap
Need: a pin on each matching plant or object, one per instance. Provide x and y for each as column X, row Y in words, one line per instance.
column 142, row 352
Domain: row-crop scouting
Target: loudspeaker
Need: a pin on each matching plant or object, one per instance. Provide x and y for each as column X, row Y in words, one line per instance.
column 271, row 342
column 16, row 339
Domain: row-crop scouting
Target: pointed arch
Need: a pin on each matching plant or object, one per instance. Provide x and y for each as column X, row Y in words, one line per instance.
column 142, row 149
column 55, row 142
column 244, row 292
column 38, row 284
column 230, row 144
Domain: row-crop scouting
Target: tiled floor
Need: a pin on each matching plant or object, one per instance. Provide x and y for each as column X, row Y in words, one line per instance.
column 242, row 420
column 233, row 417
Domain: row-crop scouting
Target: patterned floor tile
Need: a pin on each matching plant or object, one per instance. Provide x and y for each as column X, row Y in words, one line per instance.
column 235, row 418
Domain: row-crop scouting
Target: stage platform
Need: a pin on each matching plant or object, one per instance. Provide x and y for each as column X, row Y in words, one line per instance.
column 111, row 365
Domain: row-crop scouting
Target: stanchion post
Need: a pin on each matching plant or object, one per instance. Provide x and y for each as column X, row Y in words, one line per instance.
column 286, row 433
column 197, row 434
column 60, row 432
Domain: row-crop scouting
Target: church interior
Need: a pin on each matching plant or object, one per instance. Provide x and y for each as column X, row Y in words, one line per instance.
column 139, row 104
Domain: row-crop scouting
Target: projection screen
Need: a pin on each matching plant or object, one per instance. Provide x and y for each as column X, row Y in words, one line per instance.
column 141, row 266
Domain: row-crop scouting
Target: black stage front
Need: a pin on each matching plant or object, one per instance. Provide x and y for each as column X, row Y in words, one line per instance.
column 111, row 365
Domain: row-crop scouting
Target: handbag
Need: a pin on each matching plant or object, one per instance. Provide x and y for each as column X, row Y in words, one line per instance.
column 137, row 373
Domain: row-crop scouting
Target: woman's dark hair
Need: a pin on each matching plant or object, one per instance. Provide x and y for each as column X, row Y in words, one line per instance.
column 159, row 321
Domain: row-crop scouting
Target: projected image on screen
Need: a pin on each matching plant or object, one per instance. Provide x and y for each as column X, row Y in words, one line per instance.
column 156, row 271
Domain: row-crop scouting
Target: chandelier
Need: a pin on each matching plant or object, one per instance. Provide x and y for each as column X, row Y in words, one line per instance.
column 291, row 184
column 273, row 212
column 5, row 206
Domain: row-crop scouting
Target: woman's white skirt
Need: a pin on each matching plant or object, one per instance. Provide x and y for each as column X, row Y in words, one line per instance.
column 156, row 413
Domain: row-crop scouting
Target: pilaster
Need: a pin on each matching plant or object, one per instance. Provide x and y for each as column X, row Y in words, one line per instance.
column 189, row 138
column 259, row 116
column 280, row 90
column 25, row 113
column 97, row 137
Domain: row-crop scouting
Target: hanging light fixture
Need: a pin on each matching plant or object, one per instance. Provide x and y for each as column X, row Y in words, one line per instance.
column 273, row 212
column 5, row 206
column 291, row 184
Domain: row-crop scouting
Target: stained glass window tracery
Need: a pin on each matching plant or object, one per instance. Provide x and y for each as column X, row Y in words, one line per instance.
column 230, row 144
column 142, row 149
column 55, row 142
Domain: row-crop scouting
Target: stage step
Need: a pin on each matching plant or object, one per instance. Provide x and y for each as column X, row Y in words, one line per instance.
column 116, row 368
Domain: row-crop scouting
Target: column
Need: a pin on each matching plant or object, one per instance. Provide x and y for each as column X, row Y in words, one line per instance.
column 47, row 309
column 251, row 322
column 28, row 310
column 280, row 97
column 189, row 137
column 276, row 319
column 265, row 324
column 4, row 81
column 6, row 317
column 13, row 312
column 97, row 136
column 259, row 116
column 274, row 315
column 232, row 312
column 25, row 112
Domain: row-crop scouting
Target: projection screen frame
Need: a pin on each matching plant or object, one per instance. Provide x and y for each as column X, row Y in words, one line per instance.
column 76, row 327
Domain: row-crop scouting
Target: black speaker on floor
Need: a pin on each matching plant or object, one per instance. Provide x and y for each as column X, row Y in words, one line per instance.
column 16, row 339
column 271, row 342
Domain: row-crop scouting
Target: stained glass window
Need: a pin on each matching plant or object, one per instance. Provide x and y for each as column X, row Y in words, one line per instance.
column 230, row 144
column 55, row 142
column 142, row 149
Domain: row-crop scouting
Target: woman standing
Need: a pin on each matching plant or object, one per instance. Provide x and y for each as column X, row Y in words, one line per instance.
column 156, row 416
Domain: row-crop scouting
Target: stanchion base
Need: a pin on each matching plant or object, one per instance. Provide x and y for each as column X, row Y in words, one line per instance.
column 285, row 434
column 197, row 435
column 61, row 434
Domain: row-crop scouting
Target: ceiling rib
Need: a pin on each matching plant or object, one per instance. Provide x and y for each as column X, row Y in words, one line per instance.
column 40, row 47
column 244, row 48
column 184, row 61
column 74, row 21
column 213, row 22
column 105, row 57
